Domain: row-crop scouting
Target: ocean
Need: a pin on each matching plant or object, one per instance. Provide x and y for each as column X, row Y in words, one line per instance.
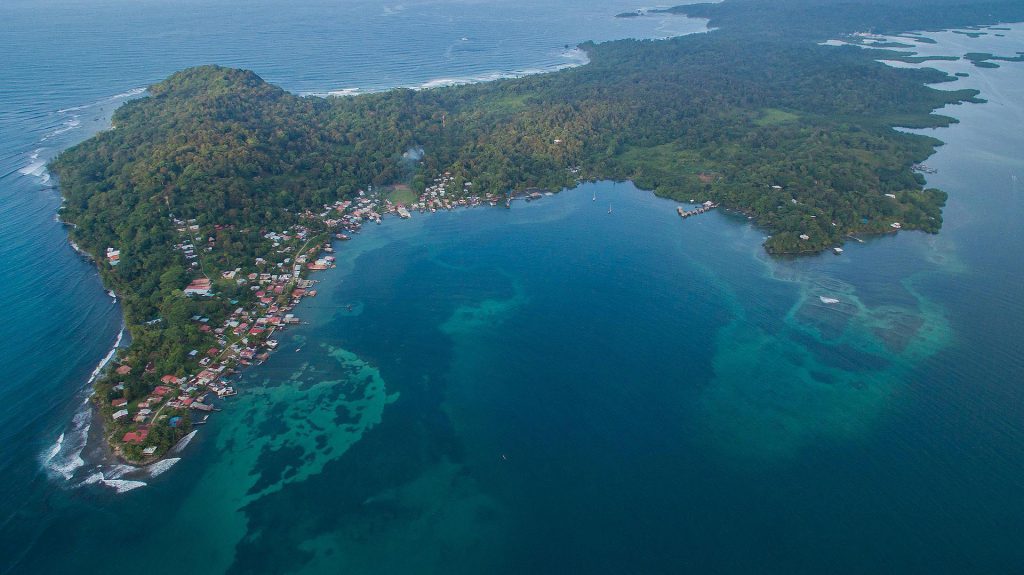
column 583, row 383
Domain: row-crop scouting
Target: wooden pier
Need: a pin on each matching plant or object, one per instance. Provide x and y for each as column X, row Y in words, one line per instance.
column 705, row 207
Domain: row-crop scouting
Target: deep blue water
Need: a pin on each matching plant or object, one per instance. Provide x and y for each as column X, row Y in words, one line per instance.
column 552, row 388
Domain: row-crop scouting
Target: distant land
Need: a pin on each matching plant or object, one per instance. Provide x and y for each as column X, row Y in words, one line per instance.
column 217, row 193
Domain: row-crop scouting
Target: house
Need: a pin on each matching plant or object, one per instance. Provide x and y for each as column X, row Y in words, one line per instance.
column 199, row 286
column 168, row 380
column 120, row 402
column 149, row 450
column 161, row 390
column 895, row 225
column 135, row 437
column 120, row 414
column 206, row 376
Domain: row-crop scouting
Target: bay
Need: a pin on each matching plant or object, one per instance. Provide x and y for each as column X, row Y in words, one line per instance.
column 558, row 388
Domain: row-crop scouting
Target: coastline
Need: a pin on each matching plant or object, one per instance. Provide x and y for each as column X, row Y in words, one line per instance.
column 107, row 454
column 293, row 301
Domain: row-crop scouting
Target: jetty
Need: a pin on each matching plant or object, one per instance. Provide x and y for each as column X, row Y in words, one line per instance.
column 705, row 207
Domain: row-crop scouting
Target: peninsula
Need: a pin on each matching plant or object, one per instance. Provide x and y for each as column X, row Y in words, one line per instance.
column 217, row 193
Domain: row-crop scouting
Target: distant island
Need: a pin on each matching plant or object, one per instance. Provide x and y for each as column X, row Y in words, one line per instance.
column 216, row 195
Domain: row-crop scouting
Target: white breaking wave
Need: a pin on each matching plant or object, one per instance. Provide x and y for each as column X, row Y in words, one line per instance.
column 161, row 466
column 108, row 99
column 106, row 359
column 575, row 56
column 65, row 456
column 120, row 470
column 119, row 485
column 67, row 126
column 36, row 167
column 335, row 93
column 54, row 450
column 128, row 94
column 183, row 442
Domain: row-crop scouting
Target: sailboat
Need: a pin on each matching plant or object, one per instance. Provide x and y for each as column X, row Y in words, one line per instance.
column 595, row 196
column 609, row 208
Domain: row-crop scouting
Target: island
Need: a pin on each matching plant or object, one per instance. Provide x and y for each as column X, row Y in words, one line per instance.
column 217, row 194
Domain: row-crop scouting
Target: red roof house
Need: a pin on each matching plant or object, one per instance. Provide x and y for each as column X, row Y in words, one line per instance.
column 169, row 379
column 135, row 437
column 124, row 370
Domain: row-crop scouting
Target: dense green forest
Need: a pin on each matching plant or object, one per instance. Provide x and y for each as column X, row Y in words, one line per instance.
column 756, row 115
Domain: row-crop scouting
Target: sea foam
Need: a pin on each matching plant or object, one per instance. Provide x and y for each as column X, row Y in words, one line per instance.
column 161, row 466
column 65, row 456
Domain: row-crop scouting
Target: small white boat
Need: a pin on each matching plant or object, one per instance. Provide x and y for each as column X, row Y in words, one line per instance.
column 837, row 250
column 828, row 300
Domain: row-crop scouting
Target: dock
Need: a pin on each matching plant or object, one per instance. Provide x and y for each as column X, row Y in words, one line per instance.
column 705, row 207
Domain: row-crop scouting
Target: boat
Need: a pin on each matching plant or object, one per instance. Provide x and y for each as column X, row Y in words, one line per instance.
column 837, row 250
column 609, row 208
column 828, row 300
column 595, row 197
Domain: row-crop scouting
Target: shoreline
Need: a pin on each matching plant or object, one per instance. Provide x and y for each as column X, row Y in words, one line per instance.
column 576, row 55
column 294, row 301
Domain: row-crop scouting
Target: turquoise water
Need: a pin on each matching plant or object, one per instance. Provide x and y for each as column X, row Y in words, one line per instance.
column 555, row 388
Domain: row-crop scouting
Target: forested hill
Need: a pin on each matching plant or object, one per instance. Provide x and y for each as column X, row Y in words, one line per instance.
column 698, row 117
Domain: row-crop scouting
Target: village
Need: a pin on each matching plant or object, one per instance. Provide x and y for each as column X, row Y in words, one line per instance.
column 278, row 282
